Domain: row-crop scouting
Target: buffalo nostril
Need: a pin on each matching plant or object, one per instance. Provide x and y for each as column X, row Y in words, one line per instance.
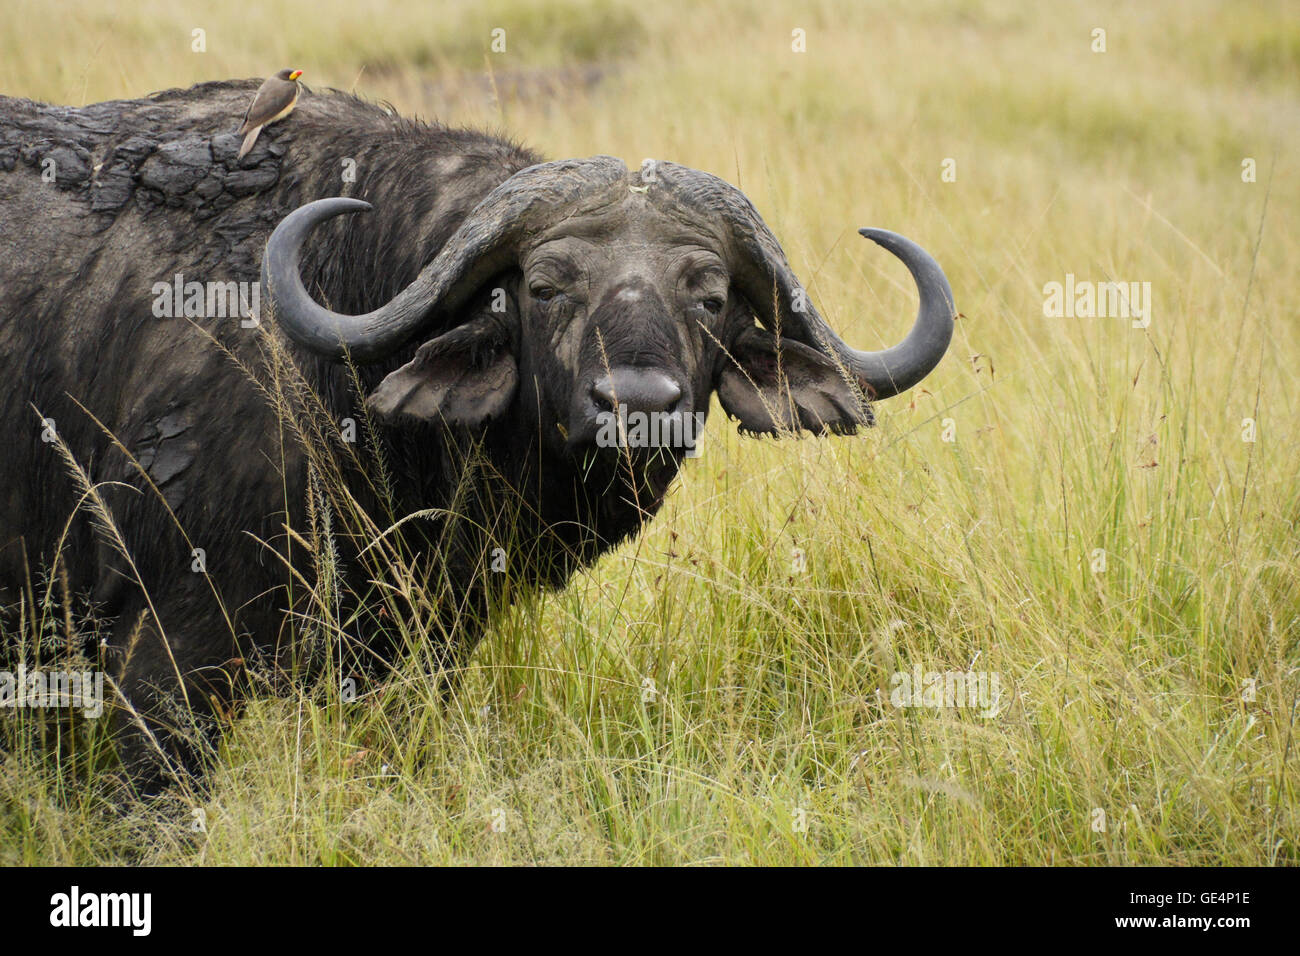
column 638, row 390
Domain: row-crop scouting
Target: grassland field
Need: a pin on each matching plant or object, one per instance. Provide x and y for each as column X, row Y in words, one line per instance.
column 1099, row 511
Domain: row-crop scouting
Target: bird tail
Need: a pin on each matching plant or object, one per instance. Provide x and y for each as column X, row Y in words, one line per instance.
column 249, row 140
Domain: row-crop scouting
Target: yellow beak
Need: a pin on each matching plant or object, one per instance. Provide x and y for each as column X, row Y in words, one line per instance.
column 295, row 74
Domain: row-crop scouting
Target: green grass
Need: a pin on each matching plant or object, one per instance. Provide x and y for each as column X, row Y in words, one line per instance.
column 693, row 696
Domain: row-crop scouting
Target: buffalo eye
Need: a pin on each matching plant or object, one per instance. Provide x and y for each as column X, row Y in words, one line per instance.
column 713, row 304
column 543, row 293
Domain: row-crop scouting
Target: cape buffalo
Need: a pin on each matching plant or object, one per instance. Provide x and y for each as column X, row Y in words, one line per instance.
column 487, row 313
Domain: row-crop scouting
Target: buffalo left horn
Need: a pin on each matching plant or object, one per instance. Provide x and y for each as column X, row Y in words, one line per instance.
column 759, row 268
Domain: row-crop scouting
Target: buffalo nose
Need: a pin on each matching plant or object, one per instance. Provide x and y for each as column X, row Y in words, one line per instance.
column 636, row 389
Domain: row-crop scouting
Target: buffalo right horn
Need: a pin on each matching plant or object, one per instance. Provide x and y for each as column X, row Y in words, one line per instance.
column 483, row 245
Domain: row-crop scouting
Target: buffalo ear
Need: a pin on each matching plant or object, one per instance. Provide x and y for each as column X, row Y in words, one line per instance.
column 463, row 377
column 776, row 385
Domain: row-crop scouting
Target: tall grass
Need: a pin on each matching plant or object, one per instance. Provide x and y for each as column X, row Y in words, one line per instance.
column 703, row 694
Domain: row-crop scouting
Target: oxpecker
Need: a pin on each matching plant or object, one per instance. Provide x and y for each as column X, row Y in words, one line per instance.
column 274, row 101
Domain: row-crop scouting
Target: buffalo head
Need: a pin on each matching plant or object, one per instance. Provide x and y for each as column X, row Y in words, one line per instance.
column 578, row 287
